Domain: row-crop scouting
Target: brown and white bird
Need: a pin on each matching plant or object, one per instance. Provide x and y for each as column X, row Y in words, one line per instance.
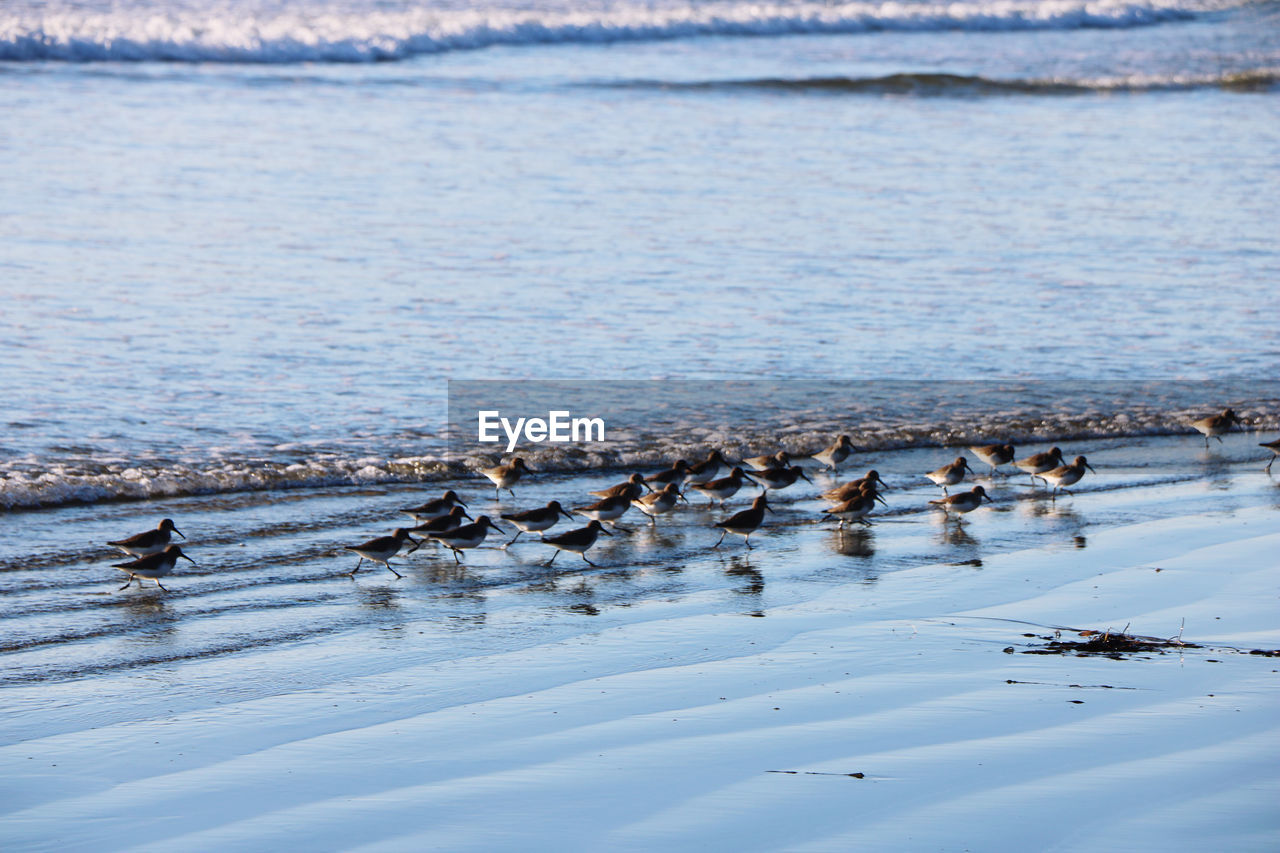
column 675, row 474
column 605, row 509
column 832, row 456
column 633, row 488
column 451, row 521
column 725, row 487
column 381, row 550
column 1039, row 463
column 851, row 489
column 467, row 536
column 708, row 469
column 535, row 520
column 1067, row 475
column 1274, row 447
column 1215, row 425
column 505, row 476
column 963, row 502
column 780, row 478
column 949, row 475
column 576, row 541
column 855, row 508
column 436, row 508
column 781, row 459
column 744, row 523
column 153, row 566
column 148, row 542
column 994, row 455
column 658, row 503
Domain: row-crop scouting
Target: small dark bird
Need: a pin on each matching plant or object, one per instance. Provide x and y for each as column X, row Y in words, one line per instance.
column 535, row 520
column 153, row 566
column 576, row 541
column 148, row 542
column 381, row 550
column 744, row 523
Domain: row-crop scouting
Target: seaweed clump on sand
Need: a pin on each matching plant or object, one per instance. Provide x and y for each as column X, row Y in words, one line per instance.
column 1113, row 644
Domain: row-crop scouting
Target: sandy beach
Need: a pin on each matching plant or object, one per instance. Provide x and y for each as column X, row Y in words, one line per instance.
column 881, row 690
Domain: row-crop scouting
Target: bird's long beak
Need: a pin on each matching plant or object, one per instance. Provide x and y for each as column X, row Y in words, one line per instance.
column 882, row 500
column 566, row 514
column 605, row 532
column 1090, row 467
column 750, row 479
column 497, row 528
column 769, row 510
column 188, row 559
column 805, row 478
column 179, row 532
column 987, row 497
column 884, row 485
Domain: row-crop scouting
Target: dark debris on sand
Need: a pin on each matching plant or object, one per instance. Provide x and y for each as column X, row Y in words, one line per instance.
column 1117, row 644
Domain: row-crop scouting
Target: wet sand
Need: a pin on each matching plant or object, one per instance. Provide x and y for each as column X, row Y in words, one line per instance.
column 877, row 688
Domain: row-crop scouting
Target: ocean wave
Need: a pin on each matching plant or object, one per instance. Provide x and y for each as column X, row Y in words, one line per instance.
column 246, row 35
column 28, row 485
column 961, row 85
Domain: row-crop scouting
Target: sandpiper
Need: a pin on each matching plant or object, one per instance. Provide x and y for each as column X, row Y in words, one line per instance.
column 708, row 469
column 725, row 487
column 1039, row 463
column 854, row 509
column 153, row 566
column 744, row 523
column 994, row 455
column 633, row 488
column 605, row 509
column 1215, row 425
column 959, row 504
column 505, row 476
column 781, row 459
column 658, row 503
column 836, row 453
column 535, row 520
column 845, row 491
column 949, row 475
column 466, row 536
column 148, row 542
column 433, row 509
column 444, row 523
column 1067, row 475
column 675, row 474
column 381, row 550
column 1274, row 447
column 578, row 541
column 780, row 478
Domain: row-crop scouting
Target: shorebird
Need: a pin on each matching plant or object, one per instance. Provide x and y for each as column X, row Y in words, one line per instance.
column 658, row 503
column 1039, row 463
column 962, row 502
column 994, row 455
column 1067, row 475
column 708, row 469
column 725, row 487
column 844, row 491
column 381, row 550
column 466, row 536
column 577, row 541
column 781, row 459
column 744, row 523
column 633, row 488
column 1215, row 425
column 949, row 475
column 1274, row 447
column 605, row 509
column 148, row 542
column 505, row 476
column 839, row 451
column 855, row 509
column 535, row 520
column 675, row 474
column 451, row 521
column 153, row 566
column 433, row 509
column 780, row 478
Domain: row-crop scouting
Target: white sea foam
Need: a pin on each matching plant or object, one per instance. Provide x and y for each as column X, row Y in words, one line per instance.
column 246, row 34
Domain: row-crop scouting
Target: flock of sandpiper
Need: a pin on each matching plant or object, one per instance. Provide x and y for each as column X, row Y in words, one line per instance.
column 442, row 520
